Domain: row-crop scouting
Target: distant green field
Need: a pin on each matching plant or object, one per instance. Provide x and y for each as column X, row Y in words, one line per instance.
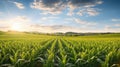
column 33, row 50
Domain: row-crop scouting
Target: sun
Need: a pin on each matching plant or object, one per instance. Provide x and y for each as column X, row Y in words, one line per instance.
column 16, row 27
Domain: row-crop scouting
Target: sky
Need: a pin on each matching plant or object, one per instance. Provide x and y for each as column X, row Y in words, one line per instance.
column 60, row 15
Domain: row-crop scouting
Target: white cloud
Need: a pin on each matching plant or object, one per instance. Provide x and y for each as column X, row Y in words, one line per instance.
column 48, row 9
column 112, row 28
column 77, row 20
column 19, row 5
column 70, row 13
column 49, row 18
column 80, row 12
column 92, row 12
column 20, row 19
column 5, row 25
column 88, row 11
column 117, row 25
column 99, row 2
column 57, row 6
column 26, row 25
column 52, row 12
column 116, row 20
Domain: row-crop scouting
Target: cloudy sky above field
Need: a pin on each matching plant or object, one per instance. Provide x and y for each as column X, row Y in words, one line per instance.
column 60, row 15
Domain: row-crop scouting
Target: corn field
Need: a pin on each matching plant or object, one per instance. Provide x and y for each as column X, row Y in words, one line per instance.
column 59, row 51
